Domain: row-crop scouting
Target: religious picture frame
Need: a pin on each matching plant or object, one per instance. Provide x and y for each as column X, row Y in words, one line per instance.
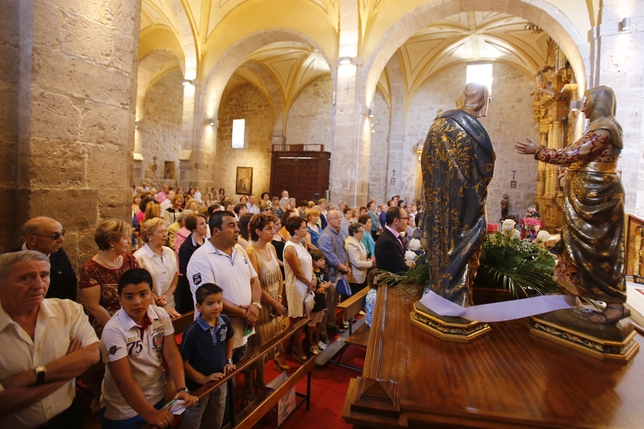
column 244, row 181
column 513, row 183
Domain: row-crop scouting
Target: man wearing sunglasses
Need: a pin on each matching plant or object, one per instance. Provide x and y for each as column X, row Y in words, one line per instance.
column 46, row 235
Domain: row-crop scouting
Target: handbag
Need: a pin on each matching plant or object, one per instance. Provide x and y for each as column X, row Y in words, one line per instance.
column 309, row 301
column 343, row 288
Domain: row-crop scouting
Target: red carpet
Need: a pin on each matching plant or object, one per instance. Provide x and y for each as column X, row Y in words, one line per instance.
column 328, row 389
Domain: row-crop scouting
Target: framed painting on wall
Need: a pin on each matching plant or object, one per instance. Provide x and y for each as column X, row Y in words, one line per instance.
column 244, row 180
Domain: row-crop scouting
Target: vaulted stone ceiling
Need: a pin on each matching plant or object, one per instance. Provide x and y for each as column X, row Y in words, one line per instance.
column 191, row 26
column 471, row 36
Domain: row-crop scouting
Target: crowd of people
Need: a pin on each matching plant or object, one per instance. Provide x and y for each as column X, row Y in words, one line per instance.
column 247, row 268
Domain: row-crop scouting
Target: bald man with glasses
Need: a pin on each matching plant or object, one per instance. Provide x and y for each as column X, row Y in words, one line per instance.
column 47, row 236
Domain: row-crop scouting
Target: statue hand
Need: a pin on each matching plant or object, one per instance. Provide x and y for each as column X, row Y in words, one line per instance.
column 528, row 147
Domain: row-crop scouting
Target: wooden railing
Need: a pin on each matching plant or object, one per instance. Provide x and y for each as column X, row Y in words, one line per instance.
column 252, row 414
column 634, row 253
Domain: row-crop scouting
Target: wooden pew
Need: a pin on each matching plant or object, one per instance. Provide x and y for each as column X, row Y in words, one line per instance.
column 352, row 305
column 179, row 323
column 254, row 412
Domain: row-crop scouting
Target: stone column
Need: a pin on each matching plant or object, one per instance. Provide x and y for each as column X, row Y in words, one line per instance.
column 16, row 31
column 188, row 162
column 618, row 57
column 77, row 100
column 349, row 178
column 397, row 131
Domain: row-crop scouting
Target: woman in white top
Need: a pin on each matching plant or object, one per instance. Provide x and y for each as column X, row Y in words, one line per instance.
column 298, row 266
column 161, row 262
column 357, row 254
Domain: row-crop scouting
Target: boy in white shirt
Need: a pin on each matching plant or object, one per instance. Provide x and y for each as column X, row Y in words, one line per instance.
column 133, row 344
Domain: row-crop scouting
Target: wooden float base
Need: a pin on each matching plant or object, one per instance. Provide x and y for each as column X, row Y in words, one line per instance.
column 572, row 329
column 455, row 329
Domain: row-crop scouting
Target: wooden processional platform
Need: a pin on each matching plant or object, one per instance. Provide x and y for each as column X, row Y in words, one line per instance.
column 507, row 378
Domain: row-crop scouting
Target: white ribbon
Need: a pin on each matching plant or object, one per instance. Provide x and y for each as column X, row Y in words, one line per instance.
column 498, row 311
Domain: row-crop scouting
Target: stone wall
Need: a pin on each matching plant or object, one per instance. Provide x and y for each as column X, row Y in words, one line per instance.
column 620, row 65
column 245, row 102
column 15, row 70
column 310, row 118
column 77, row 120
column 509, row 118
column 160, row 128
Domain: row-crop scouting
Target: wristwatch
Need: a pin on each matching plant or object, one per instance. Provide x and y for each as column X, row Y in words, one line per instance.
column 183, row 389
column 40, row 374
column 230, row 361
column 259, row 305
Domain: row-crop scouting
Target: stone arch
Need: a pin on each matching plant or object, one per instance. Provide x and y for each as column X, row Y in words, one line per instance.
column 187, row 38
column 274, row 92
column 148, row 67
column 216, row 81
column 540, row 12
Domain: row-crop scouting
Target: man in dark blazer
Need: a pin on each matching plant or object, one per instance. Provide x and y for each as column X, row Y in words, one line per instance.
column 390, row 253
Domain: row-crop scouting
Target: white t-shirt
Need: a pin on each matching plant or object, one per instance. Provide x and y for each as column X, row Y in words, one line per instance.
column 122, row 338
column 162, row 269
column 231, row 273
column 59, row 321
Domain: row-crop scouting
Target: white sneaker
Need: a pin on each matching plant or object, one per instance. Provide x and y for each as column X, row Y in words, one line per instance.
column 315, row 350
column 321, row 346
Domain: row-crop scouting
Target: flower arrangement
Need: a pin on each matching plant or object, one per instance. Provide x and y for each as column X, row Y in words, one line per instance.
column 520, row 266
column 508, row 262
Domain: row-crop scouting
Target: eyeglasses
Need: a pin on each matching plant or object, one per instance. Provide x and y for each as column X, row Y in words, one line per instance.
column 55, row 236
column 404, row 218
column 360, row 232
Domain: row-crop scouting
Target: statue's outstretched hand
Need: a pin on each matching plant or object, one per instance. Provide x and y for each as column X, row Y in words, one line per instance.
column 527, row 147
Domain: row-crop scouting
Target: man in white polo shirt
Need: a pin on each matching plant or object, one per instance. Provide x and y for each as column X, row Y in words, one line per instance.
column 46, row 344
column 225, row 263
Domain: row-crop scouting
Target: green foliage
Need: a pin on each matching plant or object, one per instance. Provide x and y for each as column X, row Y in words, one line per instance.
column 523, row 267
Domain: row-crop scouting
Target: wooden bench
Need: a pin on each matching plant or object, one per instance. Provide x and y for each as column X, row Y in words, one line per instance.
column 352, row 305
column 180, row 324
column 252, row 414
column 358, row 333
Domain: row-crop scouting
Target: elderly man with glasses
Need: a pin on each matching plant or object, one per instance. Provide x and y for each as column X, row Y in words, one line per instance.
column 46, row 235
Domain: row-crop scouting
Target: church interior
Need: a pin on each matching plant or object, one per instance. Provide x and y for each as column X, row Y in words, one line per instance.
column 323, row 98
column 102, row 95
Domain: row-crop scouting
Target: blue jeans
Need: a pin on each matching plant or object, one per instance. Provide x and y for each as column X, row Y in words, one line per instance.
column 132, row 423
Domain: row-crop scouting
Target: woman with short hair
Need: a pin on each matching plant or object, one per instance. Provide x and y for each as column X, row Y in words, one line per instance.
column 357, row 255
column 161, row 262
column 100, row 275
column 312, row 218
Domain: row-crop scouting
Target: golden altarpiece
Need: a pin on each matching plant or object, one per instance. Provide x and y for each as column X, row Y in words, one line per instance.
column 556, row 110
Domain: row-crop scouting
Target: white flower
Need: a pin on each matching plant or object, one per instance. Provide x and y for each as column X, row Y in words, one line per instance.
column 414, row 244
column 516, row 234
column 410, row 256
column 508, row 225
column 543, row 236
